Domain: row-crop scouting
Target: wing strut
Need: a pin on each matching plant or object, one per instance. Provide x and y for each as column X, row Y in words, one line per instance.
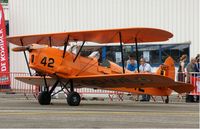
column 53, row 87
column 121, row 48
column 50, row 41
column 71, row 85
column 65, row 45
column 45, row 82
column 79, row 51
column 26, row 58
column 137, row 56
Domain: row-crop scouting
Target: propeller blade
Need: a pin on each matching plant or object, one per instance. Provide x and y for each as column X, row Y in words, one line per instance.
column 22, row 48
column 30, row 47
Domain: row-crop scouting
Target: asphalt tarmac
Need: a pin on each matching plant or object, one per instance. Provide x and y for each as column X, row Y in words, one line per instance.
column 18, row 112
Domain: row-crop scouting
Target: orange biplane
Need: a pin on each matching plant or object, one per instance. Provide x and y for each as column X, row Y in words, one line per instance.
column 68, row 70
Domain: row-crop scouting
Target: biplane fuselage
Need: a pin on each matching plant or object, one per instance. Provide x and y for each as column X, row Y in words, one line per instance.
column 50, row 61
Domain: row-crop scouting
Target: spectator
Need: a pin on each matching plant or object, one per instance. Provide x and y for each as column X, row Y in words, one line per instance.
column 132, row 65
column 190, row 72
column 190, row 69
column 181, row 68
column 145, row 67
column 131, row 56
column 197, row 65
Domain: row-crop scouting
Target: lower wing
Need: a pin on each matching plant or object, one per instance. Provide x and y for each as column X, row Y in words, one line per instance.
column 115, row 81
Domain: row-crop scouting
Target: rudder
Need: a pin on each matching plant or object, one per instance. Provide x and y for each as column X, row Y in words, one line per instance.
column 167, row 68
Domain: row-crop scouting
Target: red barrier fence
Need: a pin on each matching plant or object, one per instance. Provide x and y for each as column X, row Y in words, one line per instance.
column 20, row 87
column 193, row 78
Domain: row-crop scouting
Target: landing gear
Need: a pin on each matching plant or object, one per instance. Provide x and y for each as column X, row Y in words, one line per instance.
column 44, row 98
column 73, row 99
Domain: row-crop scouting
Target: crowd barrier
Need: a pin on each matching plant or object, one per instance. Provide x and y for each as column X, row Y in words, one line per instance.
column 20, row 87
column 191, row 77
column 195, row 80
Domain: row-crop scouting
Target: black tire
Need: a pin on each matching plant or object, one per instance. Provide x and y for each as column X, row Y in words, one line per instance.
column 189, row 98
column 73, row 99
column 44, row 98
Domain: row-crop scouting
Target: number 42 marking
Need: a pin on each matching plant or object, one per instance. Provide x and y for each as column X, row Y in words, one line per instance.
column 47, row 61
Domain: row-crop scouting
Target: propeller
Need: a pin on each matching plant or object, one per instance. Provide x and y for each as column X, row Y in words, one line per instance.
column 28, row 48
column 21, row 48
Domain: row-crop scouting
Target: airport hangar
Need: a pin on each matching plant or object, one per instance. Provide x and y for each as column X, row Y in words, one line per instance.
column 181, row 17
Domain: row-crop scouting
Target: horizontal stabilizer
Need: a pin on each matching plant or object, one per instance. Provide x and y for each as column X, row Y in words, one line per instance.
column 182, row 87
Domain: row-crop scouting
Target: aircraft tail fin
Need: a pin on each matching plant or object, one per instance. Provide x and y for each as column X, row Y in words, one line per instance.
column 167, row 68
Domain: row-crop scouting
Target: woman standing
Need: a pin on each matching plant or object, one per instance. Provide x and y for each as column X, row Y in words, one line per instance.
column 181, row 68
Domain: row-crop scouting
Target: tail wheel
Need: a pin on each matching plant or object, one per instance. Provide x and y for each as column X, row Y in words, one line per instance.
column 73, row 99
column 44, row 98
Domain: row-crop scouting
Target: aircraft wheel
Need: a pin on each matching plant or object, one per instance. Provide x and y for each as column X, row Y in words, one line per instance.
column 73, row 99
column 44, row 98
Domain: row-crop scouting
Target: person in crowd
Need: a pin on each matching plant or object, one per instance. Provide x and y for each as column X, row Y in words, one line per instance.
column 181, row 71
column 181, row 68
column 131, row 57
column 197, row 65
column 132, row 65
column 190, row 68
column 145, row 67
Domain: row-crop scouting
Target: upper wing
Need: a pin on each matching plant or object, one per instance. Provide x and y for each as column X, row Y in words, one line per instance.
column 99, row 36
column 118, row 80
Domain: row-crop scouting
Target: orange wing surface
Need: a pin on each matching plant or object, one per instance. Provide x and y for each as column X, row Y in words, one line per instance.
column 99, row 36
column 124, row 82
column 36, row 80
